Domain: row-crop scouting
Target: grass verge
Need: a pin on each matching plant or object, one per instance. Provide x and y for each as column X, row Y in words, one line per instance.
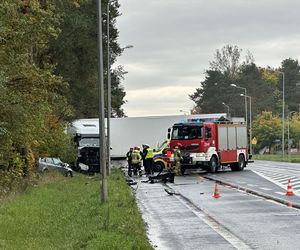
column 67, row 214
column 294, row 158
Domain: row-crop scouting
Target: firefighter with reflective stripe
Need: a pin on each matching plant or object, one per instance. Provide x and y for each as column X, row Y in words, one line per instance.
column 136, row 160
column 149, row 160
column 177, row 159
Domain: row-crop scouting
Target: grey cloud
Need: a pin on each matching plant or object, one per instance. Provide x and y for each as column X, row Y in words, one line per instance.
column 174, row 40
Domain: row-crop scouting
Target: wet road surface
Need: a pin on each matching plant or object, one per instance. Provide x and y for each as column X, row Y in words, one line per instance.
column 238, row 220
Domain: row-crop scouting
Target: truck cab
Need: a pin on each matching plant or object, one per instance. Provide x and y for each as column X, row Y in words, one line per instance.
column 85, row 133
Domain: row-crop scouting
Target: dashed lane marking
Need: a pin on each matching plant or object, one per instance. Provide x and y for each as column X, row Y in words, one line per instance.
column 266, row 189
column 251, row 185
column 281, row 193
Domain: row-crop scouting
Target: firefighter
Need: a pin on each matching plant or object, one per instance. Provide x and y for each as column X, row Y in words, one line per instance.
column 149, row 159
column 129, row 160
column 136, row 160
column 144, row 153
column 177, row 159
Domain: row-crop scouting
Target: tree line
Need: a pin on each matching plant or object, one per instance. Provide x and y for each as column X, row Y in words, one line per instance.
column 231, row 67
column 48, row 75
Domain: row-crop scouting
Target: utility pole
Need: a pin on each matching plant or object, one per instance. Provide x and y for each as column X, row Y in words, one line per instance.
column 108, row 94
column 250, row 117
column 283, row 104
column 102, row 144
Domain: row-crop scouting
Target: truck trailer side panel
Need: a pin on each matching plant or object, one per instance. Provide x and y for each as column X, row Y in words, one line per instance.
column 135, row 131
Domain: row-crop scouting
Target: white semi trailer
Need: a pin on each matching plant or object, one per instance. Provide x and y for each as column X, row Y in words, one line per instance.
column 127, row 132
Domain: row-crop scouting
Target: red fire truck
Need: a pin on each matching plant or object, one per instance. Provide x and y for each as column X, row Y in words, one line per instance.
column 210, row 145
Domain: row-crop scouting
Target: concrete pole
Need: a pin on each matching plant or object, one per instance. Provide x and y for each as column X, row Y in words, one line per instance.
column 108, row 94
column 102, row 144
column 283, row 105
column 289, row 145
column 250, row 118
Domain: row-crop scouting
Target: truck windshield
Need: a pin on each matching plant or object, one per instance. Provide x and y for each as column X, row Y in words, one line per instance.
column 89, row 142
column 186, row 132
column 163, row 146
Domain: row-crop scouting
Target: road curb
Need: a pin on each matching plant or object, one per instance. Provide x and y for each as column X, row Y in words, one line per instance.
column 250, row 191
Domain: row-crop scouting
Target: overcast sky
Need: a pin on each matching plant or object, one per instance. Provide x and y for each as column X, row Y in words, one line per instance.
column 174, row 40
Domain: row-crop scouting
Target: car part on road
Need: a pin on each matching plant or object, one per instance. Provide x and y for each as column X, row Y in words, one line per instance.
column 171, row 191
column 164, row 177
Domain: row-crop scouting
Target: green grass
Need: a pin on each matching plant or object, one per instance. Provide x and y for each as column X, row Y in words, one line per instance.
column 267, row 157
column 68, row 214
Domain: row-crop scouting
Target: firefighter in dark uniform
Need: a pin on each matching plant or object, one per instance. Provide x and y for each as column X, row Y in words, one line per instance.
column 129, row 160
column 144, row 153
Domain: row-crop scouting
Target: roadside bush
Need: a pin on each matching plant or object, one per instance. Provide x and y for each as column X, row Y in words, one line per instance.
column 12, row 181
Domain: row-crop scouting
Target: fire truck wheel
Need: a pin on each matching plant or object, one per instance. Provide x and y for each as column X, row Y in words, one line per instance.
column 240, row 165
column 213, row 165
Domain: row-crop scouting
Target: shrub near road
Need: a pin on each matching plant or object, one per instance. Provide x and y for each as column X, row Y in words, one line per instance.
column 67, row 214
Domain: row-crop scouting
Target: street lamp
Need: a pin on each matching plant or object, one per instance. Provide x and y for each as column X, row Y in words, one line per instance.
column 228, row 113
column 289, row 144
column 238, row 87
column 250, row 118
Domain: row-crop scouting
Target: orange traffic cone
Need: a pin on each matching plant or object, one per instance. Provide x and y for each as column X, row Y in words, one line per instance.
column 289, row 191
column 216, row 192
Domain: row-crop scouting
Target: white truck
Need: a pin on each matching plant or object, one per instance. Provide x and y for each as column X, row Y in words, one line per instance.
column 125, row 133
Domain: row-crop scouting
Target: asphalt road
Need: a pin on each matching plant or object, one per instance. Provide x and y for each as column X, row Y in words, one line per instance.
column 192, row 219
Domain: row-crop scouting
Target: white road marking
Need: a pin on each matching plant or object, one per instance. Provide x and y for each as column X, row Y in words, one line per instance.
column 282, row 193
column 264, row 188
column 252, row 185
column 295, row 181
column 283, row 178
column 295, row 186
column 222, row 231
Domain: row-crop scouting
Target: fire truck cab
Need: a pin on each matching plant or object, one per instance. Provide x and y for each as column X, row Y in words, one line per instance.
column 210, row 145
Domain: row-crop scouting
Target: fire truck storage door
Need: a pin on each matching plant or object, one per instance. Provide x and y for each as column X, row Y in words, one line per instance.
column 222, row 138
column 231, row 137
column 241, row 137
